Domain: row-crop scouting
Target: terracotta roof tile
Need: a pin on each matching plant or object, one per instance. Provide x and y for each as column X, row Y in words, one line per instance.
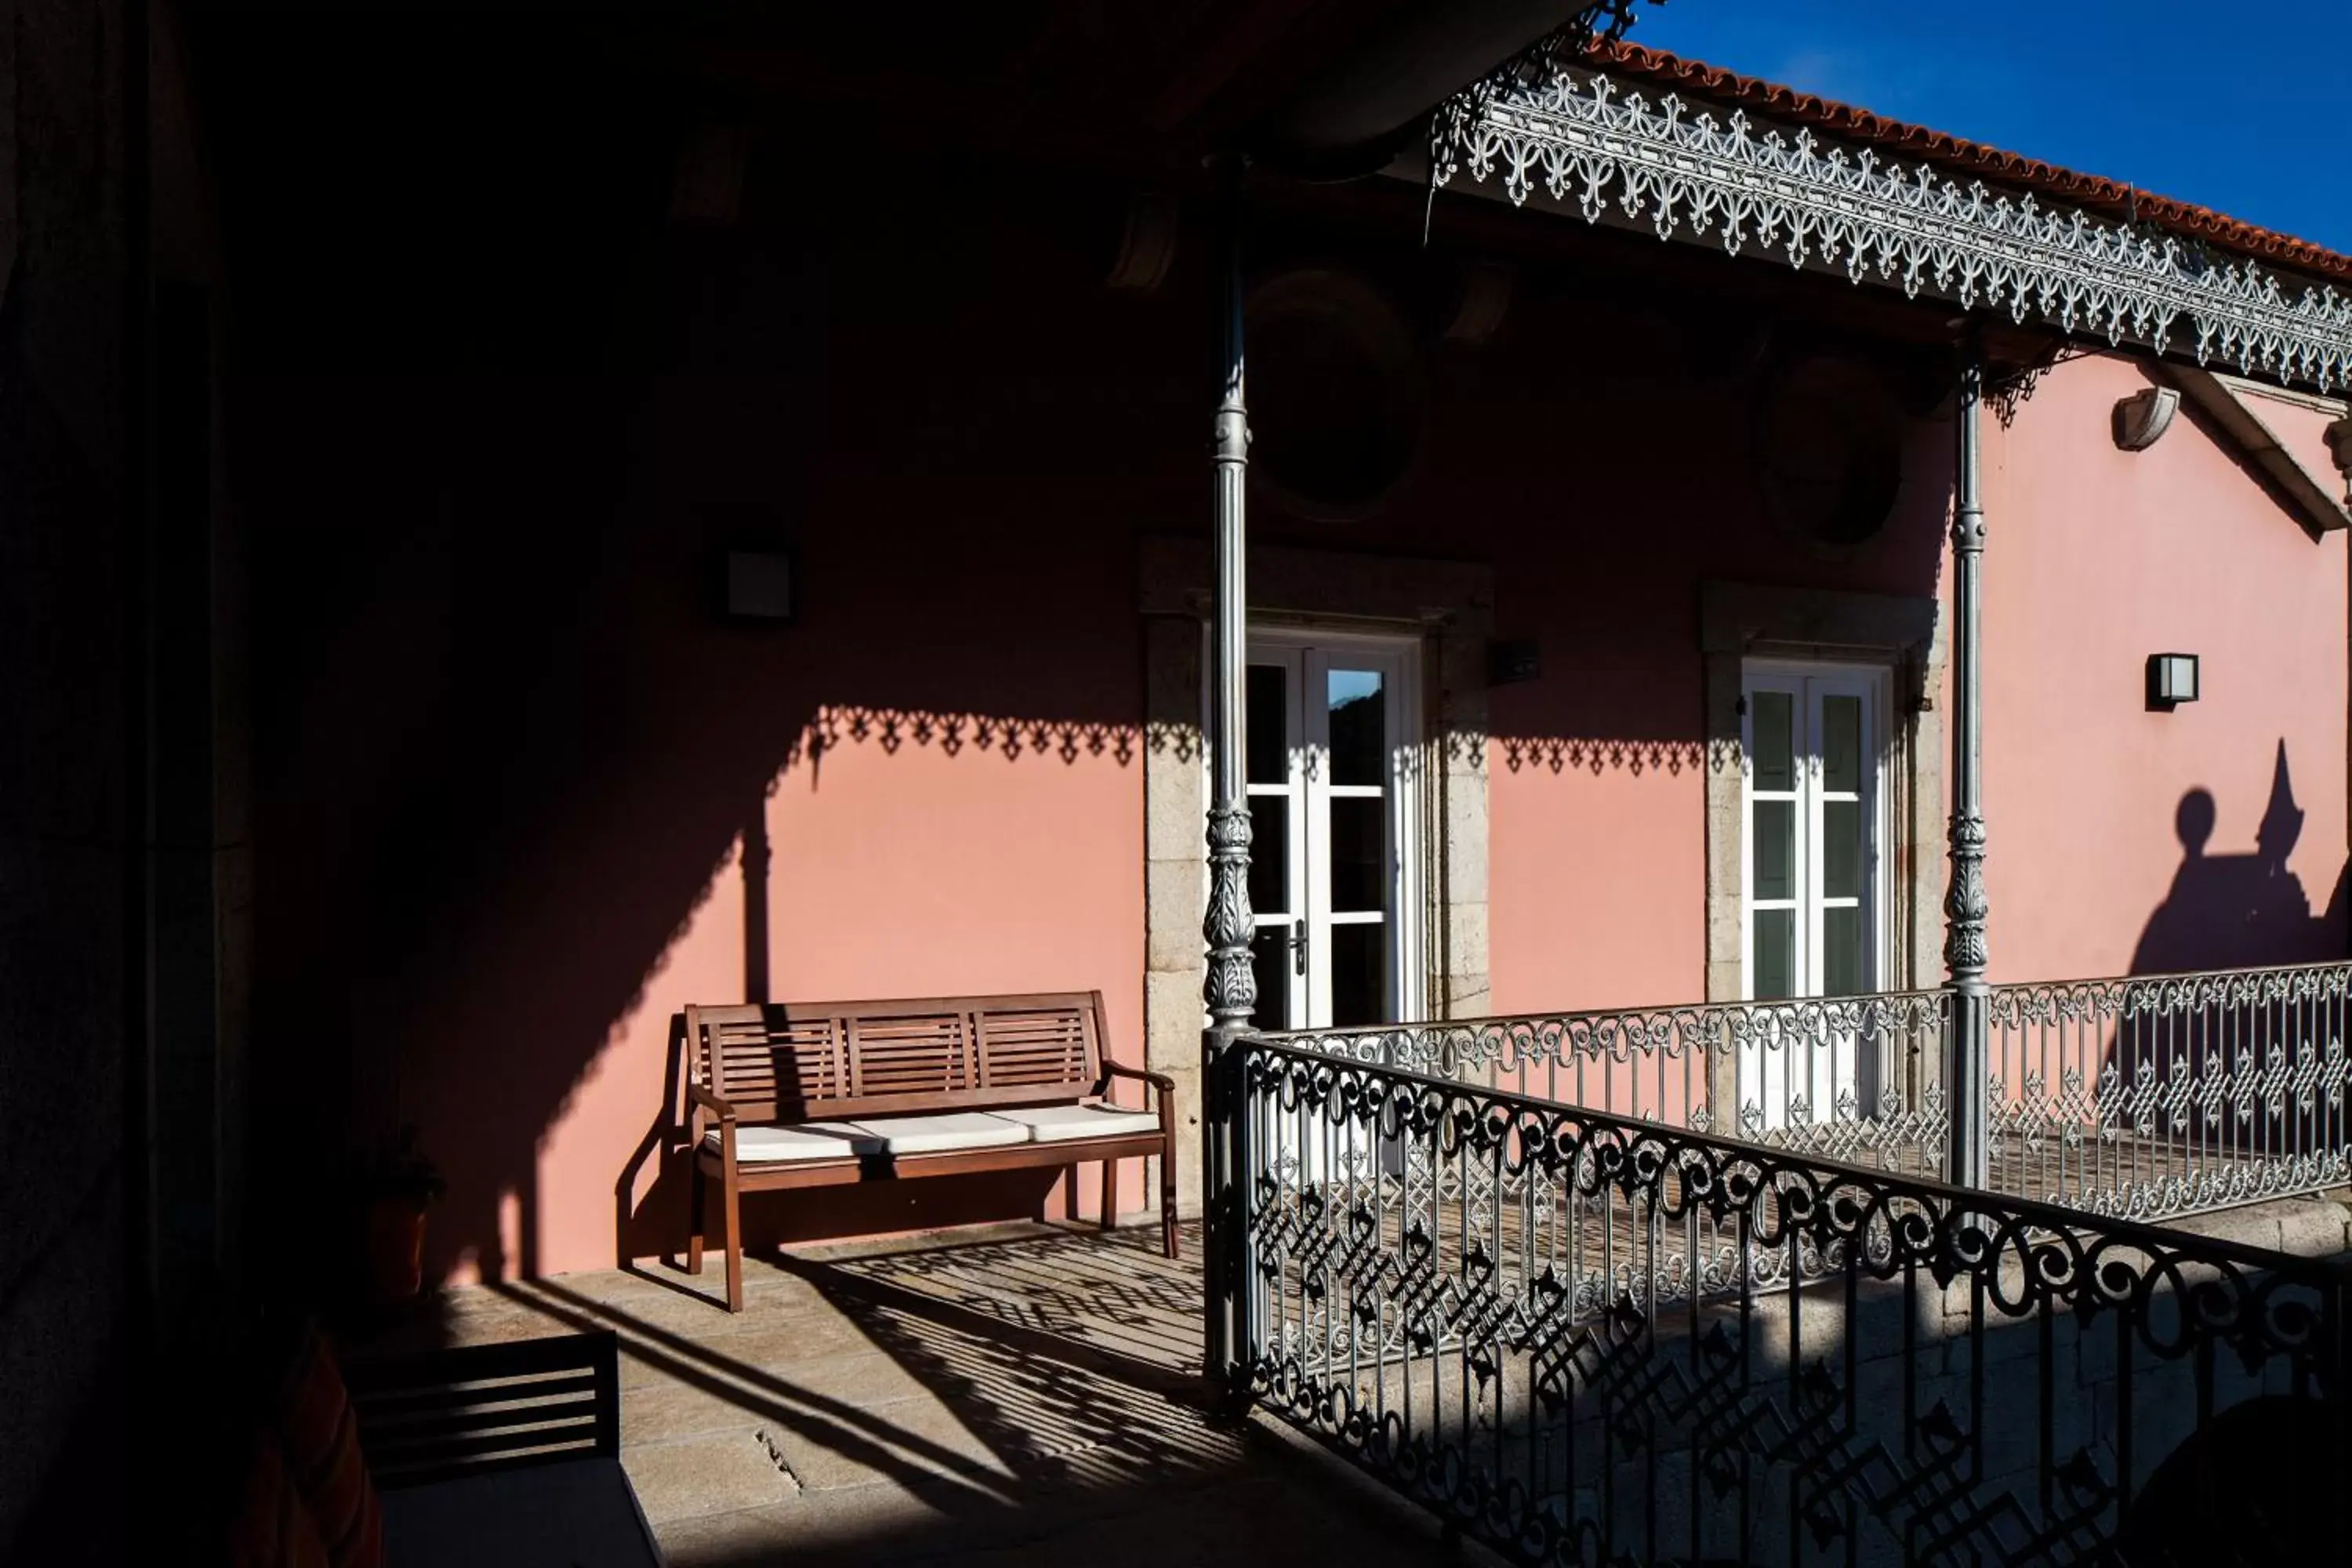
column 2109, row 198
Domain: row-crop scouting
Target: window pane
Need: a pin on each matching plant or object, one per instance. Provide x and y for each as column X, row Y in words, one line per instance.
column 1768, row 716
column 1841, row 954
column 1842, row 850
column 1269, row 723
column 1269, row 878
column 1773, row 850
column 1842, row 743
column 1776, row 953
column 1270, row 962
column 1359, row 854
column 1359, row 728
column 1360, row 992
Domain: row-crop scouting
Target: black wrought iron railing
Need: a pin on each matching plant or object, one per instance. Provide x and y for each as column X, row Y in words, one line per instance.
column 1584, row 1338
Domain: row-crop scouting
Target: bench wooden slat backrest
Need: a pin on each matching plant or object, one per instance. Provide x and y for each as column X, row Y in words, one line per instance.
column 444, row 1414
column 812, row 1061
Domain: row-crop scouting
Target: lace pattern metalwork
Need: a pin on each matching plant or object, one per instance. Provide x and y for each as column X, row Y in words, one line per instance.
column 1579, row 137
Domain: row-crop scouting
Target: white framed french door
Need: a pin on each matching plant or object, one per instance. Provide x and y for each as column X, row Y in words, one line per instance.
column 1813, row 883
column 1334, row 727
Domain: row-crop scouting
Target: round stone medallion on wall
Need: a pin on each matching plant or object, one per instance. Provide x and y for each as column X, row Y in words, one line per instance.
column 1829, row 450
column 1335, row 394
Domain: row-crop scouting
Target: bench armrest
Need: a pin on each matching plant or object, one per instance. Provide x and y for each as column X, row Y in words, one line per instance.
column 1158, row 1080
column 705, row 1104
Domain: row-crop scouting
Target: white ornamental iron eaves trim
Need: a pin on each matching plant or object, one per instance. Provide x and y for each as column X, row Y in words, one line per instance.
column 1748, row 185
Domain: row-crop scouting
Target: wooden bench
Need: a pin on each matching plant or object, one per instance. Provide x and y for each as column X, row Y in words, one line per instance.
column 501, row 1454
column 817, row 1094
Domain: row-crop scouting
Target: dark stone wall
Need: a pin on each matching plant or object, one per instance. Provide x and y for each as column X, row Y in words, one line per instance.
column 66, row 694
column 121, row 897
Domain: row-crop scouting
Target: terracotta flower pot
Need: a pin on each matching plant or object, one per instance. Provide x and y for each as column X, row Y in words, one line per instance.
column 394, row 1264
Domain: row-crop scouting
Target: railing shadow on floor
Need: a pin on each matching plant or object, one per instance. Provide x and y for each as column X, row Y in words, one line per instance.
column 941, row 1476
column 1020, row 1438
column 1111, row 1297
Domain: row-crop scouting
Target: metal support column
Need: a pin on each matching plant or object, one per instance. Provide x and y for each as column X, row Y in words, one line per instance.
column 1230, row 991
column 1967, row 1069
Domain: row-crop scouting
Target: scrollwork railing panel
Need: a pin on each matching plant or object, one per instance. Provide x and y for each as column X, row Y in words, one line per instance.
column 1592, row 1354
column 1852, row 1077
column 2140, row 1097
column 2156, row 1095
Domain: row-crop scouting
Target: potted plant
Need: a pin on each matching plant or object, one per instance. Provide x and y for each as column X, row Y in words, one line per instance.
column 399, row 1187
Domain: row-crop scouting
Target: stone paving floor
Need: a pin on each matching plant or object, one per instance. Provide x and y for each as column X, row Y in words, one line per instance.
column 1026, row 1395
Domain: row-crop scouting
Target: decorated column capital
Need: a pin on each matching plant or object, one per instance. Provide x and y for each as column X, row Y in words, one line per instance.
column 1965, row 906
column 1230, row 991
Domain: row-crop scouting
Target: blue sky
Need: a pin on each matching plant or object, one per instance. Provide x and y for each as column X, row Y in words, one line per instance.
column 2246, row 107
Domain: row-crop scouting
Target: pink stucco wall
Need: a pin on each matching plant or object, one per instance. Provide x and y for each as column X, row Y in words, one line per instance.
column 897, row 867
column 2096, row 559
column 507, row 773
column 1597, row 788
column 506, row 765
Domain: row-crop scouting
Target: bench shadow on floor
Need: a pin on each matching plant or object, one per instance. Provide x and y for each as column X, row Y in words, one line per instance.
column 1033, row 1396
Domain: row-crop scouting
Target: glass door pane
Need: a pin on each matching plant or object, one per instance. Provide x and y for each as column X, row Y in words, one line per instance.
column 1357, row 705
column 1773, row 850
column 1775, row 840
column 1270, row 962
column 1352, row 857
column 1772, row 740
column 1278, row 875
column 1773, row 950
column 1270, row 740
column 1840, row 779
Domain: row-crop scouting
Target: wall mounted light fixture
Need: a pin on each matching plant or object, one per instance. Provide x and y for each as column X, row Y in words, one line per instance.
column 760, row 584
column 2141, row 419
column 1154, row 220
column 2172, row 679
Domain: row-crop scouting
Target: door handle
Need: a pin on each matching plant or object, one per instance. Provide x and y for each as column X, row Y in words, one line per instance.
column 1298, row 947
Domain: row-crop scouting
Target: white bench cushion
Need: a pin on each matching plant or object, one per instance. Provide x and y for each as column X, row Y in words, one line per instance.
column 1061, row 1123
column 806, row 1140
column 941, row 1134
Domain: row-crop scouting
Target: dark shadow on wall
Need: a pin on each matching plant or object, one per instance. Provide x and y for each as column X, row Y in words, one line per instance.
column 2235, row 911
column 504, row 742
column 506, row 747
column 2195, row 1060
column 506, row 736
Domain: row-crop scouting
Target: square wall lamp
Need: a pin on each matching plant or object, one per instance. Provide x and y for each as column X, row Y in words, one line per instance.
column 760, row 584
column 2172, row 679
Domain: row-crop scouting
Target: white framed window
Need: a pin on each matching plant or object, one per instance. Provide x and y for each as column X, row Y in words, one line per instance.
column 1813, row 887
column 1335, row 854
